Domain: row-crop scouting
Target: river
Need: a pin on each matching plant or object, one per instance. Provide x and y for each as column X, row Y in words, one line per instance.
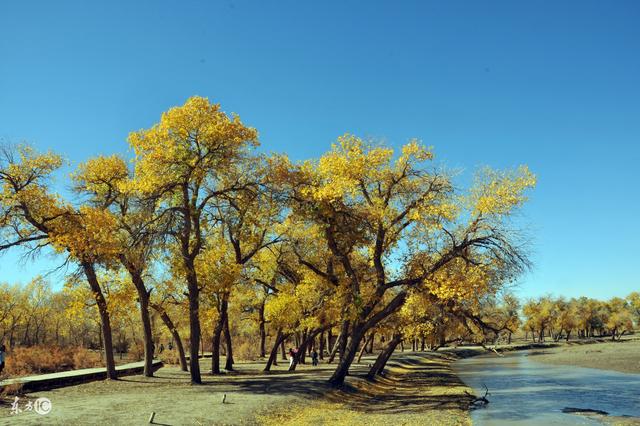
column 526, row 392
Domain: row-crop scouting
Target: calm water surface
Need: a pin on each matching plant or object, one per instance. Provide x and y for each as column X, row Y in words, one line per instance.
column 526, row 392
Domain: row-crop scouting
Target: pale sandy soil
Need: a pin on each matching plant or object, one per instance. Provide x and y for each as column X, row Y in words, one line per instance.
column 420, row 388
column 621, row 356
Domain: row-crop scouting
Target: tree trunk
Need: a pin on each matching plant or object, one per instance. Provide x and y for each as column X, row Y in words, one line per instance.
column 174, row 333
column 263, row 334
column 105, row 321
column 334, row 350
column 364, row 347
column 299, row 357
column 227, row 337
column 143, row 299
column 280, row 337
column 302, row 350
column 321, row 346
column 340, row 341
column 383, row 357
column 283, row 350
column 217, row 332
column 194, row 322
column 342, row 369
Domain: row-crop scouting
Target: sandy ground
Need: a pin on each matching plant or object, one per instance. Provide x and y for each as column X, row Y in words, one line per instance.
column 419, row 388
column 621, row 356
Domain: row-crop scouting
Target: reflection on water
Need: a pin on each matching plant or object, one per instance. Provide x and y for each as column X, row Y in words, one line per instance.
column 523, row 391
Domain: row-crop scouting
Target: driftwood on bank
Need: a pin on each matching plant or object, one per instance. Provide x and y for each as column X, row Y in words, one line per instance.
column 481, row 401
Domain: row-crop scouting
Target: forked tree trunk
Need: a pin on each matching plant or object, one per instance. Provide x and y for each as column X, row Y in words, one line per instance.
column 174, row 333
column 105, row 321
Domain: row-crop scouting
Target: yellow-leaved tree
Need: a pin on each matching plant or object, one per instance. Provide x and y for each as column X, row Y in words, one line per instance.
column 33, row 216
column 184, row 162
column 391, row 222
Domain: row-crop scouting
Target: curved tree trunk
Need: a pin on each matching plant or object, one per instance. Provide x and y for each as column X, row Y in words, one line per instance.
column 105, row 321
column 174, row 333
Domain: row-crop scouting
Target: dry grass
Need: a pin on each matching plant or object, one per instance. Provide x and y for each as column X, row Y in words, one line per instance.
column 24, row 361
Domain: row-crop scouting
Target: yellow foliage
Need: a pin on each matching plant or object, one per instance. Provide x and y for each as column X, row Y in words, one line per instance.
column 500, row 192
column 102, row 175
column 189, row 142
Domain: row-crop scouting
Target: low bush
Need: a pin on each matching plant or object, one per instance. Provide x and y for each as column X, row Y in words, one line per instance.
column 24, row 361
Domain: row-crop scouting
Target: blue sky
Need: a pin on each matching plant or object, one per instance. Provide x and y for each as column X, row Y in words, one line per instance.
column 555, row 85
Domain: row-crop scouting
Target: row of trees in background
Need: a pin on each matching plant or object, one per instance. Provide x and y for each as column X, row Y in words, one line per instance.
column 204, row 233
column 583, row 317
column 33, row 315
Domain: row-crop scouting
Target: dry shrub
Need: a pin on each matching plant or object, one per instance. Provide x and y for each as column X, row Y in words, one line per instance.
column 24, row 361
column 136, row 351
column 169, row 357
column 11, row 390
column 246, row 351
column 85, row 358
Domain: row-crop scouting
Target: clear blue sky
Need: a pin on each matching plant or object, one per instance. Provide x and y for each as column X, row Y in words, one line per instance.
column 552, row 84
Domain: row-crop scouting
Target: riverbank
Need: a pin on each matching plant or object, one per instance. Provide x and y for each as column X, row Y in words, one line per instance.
column 418, row 388
column 622, row 356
